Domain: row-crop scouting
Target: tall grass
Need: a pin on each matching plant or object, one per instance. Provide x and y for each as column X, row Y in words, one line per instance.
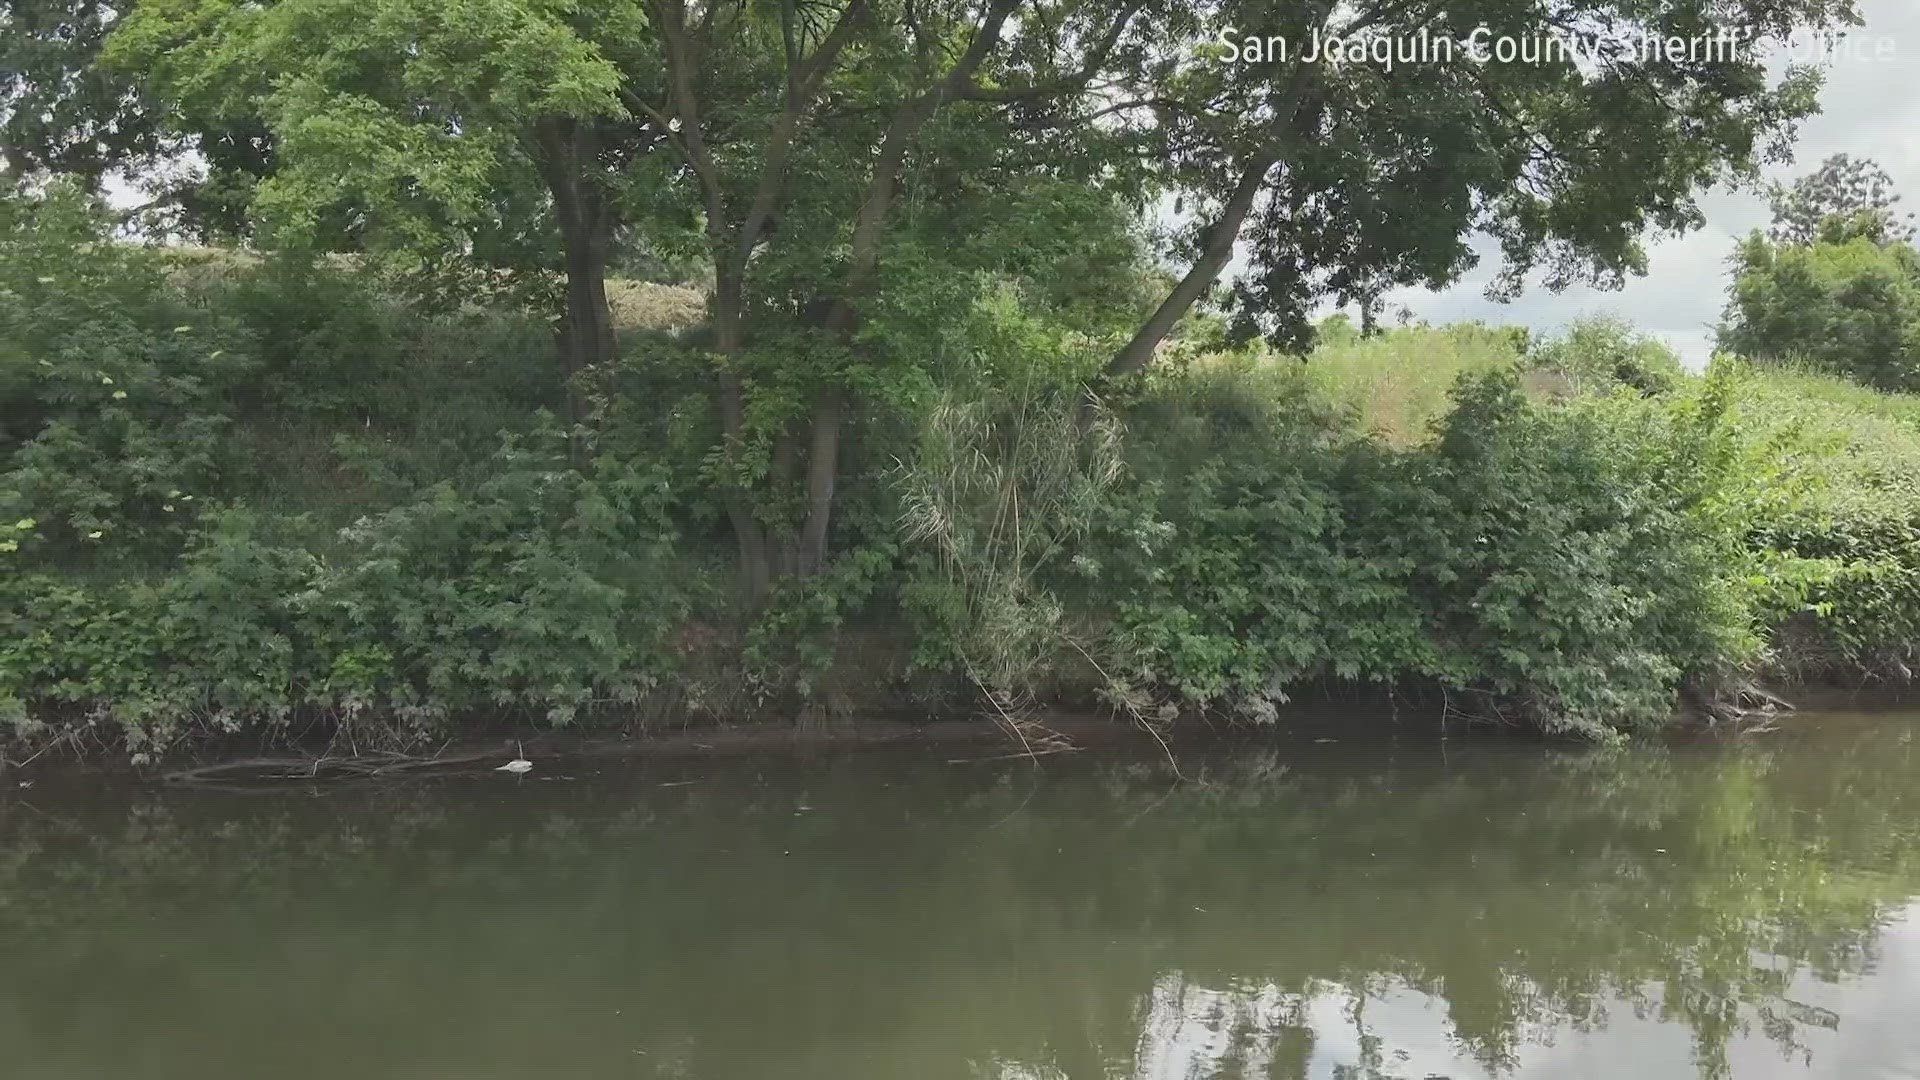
column 1834, row 454
column 1397, row 382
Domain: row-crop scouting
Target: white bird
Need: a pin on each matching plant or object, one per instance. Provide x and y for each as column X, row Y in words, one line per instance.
column 519, row 764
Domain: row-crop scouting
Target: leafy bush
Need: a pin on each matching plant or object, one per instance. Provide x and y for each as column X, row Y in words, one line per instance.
column 541, row 586
column 150, row 394
column 1599, row 354
column 1246, row 578
column 1848, row 304
column 1860, row 564
column 113, row 389
column 234, row 500
column 139, row 386
column 1557, row 559
column 1835, row 474
column 544, row 588
column 1587, row 570
column 1567, row 563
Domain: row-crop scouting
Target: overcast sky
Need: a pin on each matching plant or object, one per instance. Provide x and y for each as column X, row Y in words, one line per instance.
column 1870, row 108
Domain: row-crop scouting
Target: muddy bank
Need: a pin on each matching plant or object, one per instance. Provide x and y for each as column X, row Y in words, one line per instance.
column 1318, row 714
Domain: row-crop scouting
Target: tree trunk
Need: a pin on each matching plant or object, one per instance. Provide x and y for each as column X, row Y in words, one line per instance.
column 823, row 465
column 586, row 335
column 756, row 553
column 1218, row 248
column 589, row 316
column 586, row 330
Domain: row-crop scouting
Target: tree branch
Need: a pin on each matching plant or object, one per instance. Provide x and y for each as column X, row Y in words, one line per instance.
column 802, row 83
column 677, row 51
column 901, row 131
column 1096, row 59
column 1218, row 248
column 1221, row 236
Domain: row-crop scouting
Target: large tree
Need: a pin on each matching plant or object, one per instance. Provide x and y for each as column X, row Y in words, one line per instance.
column 66, row 112
column 793, row 132
column 1857, row 191
column 1834, row 282
column 796, row 128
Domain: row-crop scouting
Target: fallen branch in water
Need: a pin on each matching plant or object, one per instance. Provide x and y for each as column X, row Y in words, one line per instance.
column 316, row 768
column 1009, row 757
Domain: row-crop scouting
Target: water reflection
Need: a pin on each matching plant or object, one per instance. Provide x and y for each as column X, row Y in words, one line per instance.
column 1331, row 912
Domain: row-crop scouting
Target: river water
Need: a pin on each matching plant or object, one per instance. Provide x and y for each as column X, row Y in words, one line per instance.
column 1339, row 910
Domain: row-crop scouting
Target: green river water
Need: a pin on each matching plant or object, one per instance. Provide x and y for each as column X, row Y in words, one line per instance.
column 1338, row 910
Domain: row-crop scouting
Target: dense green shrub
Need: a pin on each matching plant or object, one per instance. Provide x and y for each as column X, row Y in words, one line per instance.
column 1567, row 563
column 113, row 389
column 1849, row 304
column 1250, row 576
column 1598, row 354
column 1860, row 611
column 543, row 589
column 542, row 586
column 1834, row 488
column 1588, row 569
column 140, row 385
column 151, row 395
column 1558, row 559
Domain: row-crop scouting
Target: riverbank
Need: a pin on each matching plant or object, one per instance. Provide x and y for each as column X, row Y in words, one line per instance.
column 1319, row 715
column 291, row 506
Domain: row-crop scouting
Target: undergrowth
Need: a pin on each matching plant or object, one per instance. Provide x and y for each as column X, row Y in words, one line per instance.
column 242, row 496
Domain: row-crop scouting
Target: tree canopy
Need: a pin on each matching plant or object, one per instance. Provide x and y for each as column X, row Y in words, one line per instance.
column 60, row 110
column 1856, row 191
column 1835, row 282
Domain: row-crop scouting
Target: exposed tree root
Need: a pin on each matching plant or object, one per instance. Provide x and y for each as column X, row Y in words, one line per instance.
column 1745, row 705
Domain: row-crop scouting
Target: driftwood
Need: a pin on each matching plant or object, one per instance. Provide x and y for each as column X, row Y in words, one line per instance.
column 324, row 768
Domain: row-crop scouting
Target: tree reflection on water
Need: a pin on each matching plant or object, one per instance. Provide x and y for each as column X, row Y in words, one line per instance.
column 1476, row 910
